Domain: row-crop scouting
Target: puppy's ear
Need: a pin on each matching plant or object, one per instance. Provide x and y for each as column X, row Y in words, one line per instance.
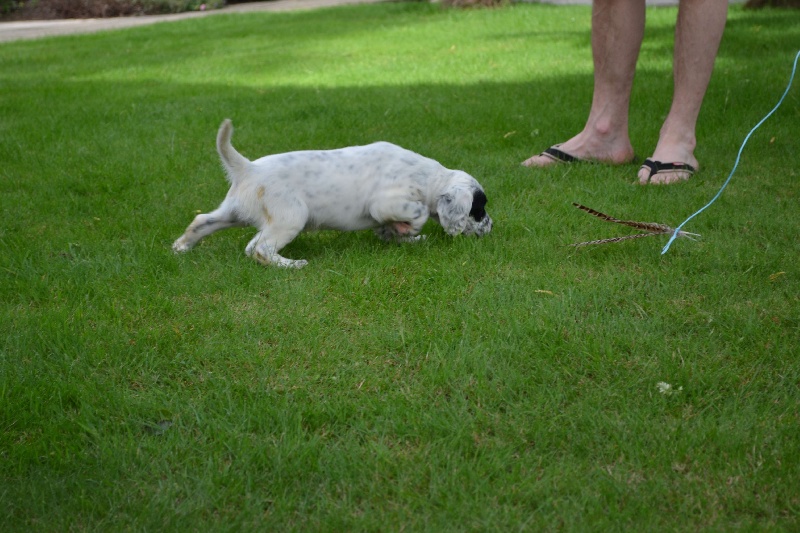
column 453, row 207
column 478, row 210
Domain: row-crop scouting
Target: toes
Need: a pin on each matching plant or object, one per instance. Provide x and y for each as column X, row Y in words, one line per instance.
column 675, row 177
column 659, row 173
column 659, row 179
column 538, row 161
column 662, row 178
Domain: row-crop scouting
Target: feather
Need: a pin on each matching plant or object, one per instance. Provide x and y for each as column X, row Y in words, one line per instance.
column 652, row 228
column 615, row 239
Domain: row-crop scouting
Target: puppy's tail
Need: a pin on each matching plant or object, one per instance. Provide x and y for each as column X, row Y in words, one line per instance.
column 235, row 164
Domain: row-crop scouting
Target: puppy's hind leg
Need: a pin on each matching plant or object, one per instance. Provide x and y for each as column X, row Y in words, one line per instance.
column 264, row 249
column 204, row 225
column 274, row 235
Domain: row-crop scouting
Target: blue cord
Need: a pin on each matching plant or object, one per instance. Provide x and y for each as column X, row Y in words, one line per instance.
column 736, row 164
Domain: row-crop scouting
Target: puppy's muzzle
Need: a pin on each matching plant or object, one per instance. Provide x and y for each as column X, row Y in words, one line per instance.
column 478, row 228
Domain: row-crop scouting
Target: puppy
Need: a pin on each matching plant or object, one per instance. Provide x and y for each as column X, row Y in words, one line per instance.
column 379, row 186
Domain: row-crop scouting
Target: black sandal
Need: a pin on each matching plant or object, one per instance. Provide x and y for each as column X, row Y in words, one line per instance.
column 556, row 154
column 657, row 167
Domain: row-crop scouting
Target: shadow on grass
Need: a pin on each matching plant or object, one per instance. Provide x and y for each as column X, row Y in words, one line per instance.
column 98, row 119
column 93, row 185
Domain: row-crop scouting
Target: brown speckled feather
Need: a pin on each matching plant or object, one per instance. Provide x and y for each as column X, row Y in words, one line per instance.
column 652, row 228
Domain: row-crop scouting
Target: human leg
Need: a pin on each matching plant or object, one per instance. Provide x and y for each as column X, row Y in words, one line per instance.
column 617, row 31
column 698, row 33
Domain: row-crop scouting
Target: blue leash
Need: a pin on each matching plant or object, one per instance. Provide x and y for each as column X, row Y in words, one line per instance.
column 736, row 164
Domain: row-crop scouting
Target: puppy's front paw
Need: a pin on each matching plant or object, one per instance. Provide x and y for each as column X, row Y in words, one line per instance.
column 386, row 233
column 411, row 238
column 398, row 232
column 402, row 228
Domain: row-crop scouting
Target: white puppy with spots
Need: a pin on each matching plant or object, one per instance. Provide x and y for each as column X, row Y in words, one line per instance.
column 380, row 186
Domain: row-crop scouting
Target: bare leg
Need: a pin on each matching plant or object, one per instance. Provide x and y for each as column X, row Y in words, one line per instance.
column 698, row 33
column 617, row 32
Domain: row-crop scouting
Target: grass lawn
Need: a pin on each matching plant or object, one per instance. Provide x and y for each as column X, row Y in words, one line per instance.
column 506, row 383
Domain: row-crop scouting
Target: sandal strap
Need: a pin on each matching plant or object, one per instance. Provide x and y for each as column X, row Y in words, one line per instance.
column 657, row 166
column 560, row 155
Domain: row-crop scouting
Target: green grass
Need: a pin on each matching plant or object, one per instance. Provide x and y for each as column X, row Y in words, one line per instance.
column 507, row 383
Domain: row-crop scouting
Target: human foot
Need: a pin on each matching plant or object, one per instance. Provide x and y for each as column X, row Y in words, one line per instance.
column 660, row 173
column 667, row 166
column 578, row 150
column 554, row 154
